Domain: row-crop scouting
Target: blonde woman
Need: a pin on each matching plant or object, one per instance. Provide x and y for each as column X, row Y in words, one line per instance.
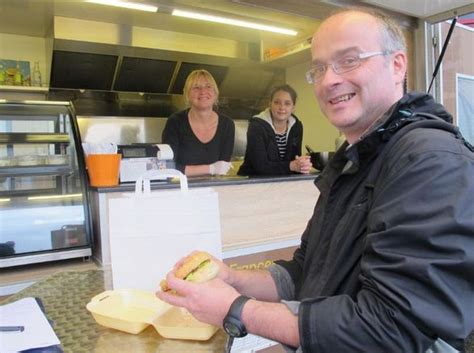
column 202, row 139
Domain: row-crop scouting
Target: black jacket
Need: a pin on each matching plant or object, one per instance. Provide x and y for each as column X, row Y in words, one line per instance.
column 386, row 263
column 261, row 155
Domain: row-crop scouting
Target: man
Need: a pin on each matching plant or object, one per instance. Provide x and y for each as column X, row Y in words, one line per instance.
column 386, row 264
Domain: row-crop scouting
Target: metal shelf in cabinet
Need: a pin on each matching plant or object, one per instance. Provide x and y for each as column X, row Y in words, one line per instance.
column 18, row 171
column 20, row 137
column 38, row 198
column 25, row 193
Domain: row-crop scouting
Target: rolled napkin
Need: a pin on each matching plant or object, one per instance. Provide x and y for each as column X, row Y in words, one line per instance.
column 165, row 152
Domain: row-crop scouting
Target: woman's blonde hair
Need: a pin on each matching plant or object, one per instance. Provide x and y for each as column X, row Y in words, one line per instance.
column 193, row 77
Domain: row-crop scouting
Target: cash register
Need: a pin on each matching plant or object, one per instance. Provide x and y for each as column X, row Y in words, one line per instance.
column 138, row 158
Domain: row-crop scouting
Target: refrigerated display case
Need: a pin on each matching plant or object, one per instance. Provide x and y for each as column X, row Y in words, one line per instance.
column 44, row 208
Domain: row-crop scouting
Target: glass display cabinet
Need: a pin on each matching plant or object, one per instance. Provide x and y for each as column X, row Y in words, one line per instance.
column 44, row 211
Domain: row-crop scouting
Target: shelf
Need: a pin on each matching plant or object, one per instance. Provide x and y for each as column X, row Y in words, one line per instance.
column 40, row 170
column 20, row 137
column 24, row 198
column 297, row 53
column 290, row 58
column 20, row 196
column 24, row 89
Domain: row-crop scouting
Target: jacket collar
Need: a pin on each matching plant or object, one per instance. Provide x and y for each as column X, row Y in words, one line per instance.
column 410, row 108
column 266, row 116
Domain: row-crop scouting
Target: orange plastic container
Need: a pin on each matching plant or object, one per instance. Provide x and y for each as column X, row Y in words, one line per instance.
column 103, row 169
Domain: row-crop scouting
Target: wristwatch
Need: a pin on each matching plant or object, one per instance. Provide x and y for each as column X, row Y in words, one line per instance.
column 232, row 323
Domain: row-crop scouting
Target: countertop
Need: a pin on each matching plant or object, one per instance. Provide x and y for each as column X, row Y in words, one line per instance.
column 207, row 181
column 65, row 295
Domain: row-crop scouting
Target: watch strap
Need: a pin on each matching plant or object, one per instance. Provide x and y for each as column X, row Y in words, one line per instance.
column 234, row 314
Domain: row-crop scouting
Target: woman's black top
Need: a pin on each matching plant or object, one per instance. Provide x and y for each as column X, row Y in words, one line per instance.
column 187, row 148
column 262, row 155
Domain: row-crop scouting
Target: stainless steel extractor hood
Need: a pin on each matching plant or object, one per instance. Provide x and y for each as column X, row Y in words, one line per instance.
column 117, row 57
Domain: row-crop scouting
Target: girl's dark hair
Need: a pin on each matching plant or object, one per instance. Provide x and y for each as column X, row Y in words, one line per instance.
column 285, row 88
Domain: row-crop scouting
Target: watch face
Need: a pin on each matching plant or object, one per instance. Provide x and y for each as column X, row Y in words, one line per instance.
column 231, row 329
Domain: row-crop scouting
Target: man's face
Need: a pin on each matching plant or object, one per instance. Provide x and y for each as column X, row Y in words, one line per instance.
column 352, row 101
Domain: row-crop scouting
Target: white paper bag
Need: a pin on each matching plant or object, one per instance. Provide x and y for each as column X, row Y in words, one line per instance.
column 149, row 232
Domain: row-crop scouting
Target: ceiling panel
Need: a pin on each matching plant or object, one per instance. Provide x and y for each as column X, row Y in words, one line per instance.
column 35, row 18
column 420, row 8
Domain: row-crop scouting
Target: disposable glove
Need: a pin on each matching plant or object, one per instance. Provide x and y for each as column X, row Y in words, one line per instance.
column 219, row 168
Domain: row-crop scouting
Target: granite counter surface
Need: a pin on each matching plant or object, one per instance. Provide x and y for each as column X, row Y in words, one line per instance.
column 65, row 295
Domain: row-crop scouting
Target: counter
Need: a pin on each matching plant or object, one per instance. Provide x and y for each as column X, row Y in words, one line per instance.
column 256, row 214
column 65, row 296
column 210, row 181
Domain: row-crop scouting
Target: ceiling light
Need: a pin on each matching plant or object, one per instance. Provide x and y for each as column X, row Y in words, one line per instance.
column 125, row 4
column 234, row 22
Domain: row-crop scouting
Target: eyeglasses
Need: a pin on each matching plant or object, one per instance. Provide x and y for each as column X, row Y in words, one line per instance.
column 340, row 66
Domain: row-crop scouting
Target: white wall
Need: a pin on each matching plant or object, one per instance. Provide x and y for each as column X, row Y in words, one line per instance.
column 25, row 48
column 318, row 132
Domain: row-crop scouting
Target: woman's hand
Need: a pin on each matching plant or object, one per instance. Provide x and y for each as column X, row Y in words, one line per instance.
column 301, row 164
column 219, row 168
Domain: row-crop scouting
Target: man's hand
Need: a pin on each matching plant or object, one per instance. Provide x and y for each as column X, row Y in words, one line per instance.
column 208, row 302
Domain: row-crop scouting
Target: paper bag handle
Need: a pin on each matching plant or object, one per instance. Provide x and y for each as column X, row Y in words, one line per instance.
column 142, row 185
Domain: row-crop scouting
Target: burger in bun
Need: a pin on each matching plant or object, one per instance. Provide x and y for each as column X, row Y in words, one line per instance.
column 197, row 267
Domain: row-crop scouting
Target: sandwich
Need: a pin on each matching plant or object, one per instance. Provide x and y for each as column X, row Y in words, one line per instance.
column 197, row 267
